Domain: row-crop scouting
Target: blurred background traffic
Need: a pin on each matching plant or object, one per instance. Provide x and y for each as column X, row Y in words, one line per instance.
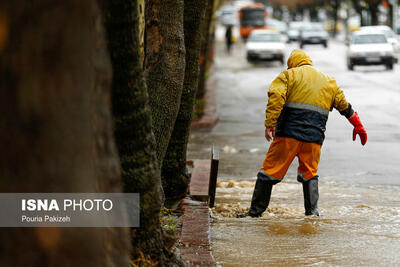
column 263, row 28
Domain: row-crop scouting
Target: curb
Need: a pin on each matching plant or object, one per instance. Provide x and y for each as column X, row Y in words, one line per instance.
column 195, row 247
column 210, row 117
column 200, row 178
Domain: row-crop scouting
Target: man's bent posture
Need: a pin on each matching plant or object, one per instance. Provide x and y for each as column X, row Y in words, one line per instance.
column 299, row 102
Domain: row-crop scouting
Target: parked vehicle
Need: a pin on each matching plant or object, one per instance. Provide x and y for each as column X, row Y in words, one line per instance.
column 228, row 14
column 313, row 33
column 228, row 17
column 265, row 45
column 330, row 25
column 277, row 25
column 388, row 32
column 294, row 30
column 370, row 48
column 353, row 23
column 238, row 4
column 252, row 17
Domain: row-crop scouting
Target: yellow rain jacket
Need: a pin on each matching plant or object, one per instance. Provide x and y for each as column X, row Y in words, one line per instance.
column 300, row 98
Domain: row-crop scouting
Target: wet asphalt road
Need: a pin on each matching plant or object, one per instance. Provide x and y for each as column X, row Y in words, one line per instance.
column 241, row 92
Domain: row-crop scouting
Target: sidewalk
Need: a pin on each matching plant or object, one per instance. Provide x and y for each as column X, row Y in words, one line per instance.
column 210, row 117
column 195, row 236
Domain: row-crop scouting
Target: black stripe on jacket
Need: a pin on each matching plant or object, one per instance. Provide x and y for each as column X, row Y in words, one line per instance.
column 302, row 124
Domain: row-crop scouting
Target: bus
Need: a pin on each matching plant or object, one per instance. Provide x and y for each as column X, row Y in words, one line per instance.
column 252, row 17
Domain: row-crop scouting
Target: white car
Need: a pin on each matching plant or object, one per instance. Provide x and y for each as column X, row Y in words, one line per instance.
column 276, row 25
column 294, row 30
column 388, row 32
column 370, row 48
column 313, row 33
column 228, row 16
column 265, row 45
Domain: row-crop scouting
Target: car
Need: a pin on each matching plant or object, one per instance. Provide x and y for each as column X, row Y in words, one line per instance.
column 265, row 45
column 329, row 26
column 294, row 30
column 397, row 28
column 353, row 23
column 388, row 32
column 370, row 48
column 241, row 3
column 313, row 33
column 276, row 25
column 228, row 17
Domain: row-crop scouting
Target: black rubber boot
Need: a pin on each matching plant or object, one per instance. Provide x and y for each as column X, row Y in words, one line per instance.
column 260, row 199
column 310, row 191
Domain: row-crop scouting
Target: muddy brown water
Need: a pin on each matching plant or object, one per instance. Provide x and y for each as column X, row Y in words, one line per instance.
column 358, row 226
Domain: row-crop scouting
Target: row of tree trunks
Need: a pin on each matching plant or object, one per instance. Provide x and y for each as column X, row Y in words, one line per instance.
column 55, row 127
column 56, row 117
column 174, row 172
column 133, row 125
column 205, row 47
column 373, row 10
column 164, row 66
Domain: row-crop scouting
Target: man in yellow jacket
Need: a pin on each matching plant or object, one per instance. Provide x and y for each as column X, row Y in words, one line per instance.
column 299, row 101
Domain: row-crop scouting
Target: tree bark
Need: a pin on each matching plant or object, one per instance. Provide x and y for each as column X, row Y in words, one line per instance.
column 277, row 12
column 359, row 9
column 174, row 173
column 389, row 20
column 55, row 130
column 313, row 12
column 133, row 125
column 374, row 11
column 164, row 66
column 205, row 47
column 336, row 5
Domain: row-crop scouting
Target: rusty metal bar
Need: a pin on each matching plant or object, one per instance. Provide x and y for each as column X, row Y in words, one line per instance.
column 212, row 185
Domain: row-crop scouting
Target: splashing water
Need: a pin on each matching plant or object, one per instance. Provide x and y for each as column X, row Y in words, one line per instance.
column 358, row 226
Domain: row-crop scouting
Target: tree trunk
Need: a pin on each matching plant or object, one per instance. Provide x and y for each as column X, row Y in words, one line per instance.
column 359, row 10
column 55, row 124
column 205, row 47
column 174, row 173
column 389, row 20
column 164, row 66
column 335, row 16
column 374, row 11
column 277, row 12
column 313, row 12
column 132, row 120
column 300, row 11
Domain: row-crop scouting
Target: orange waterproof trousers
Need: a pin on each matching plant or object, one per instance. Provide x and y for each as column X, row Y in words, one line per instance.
column 282, row 152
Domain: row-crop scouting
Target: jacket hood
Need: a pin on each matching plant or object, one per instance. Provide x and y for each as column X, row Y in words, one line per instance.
column 298, row 58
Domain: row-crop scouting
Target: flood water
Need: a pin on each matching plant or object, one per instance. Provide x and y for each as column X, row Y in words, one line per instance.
column 358, row 226
column 359, row 185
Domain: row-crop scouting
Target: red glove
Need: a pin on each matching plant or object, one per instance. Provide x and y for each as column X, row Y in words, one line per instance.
column 358, row 128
